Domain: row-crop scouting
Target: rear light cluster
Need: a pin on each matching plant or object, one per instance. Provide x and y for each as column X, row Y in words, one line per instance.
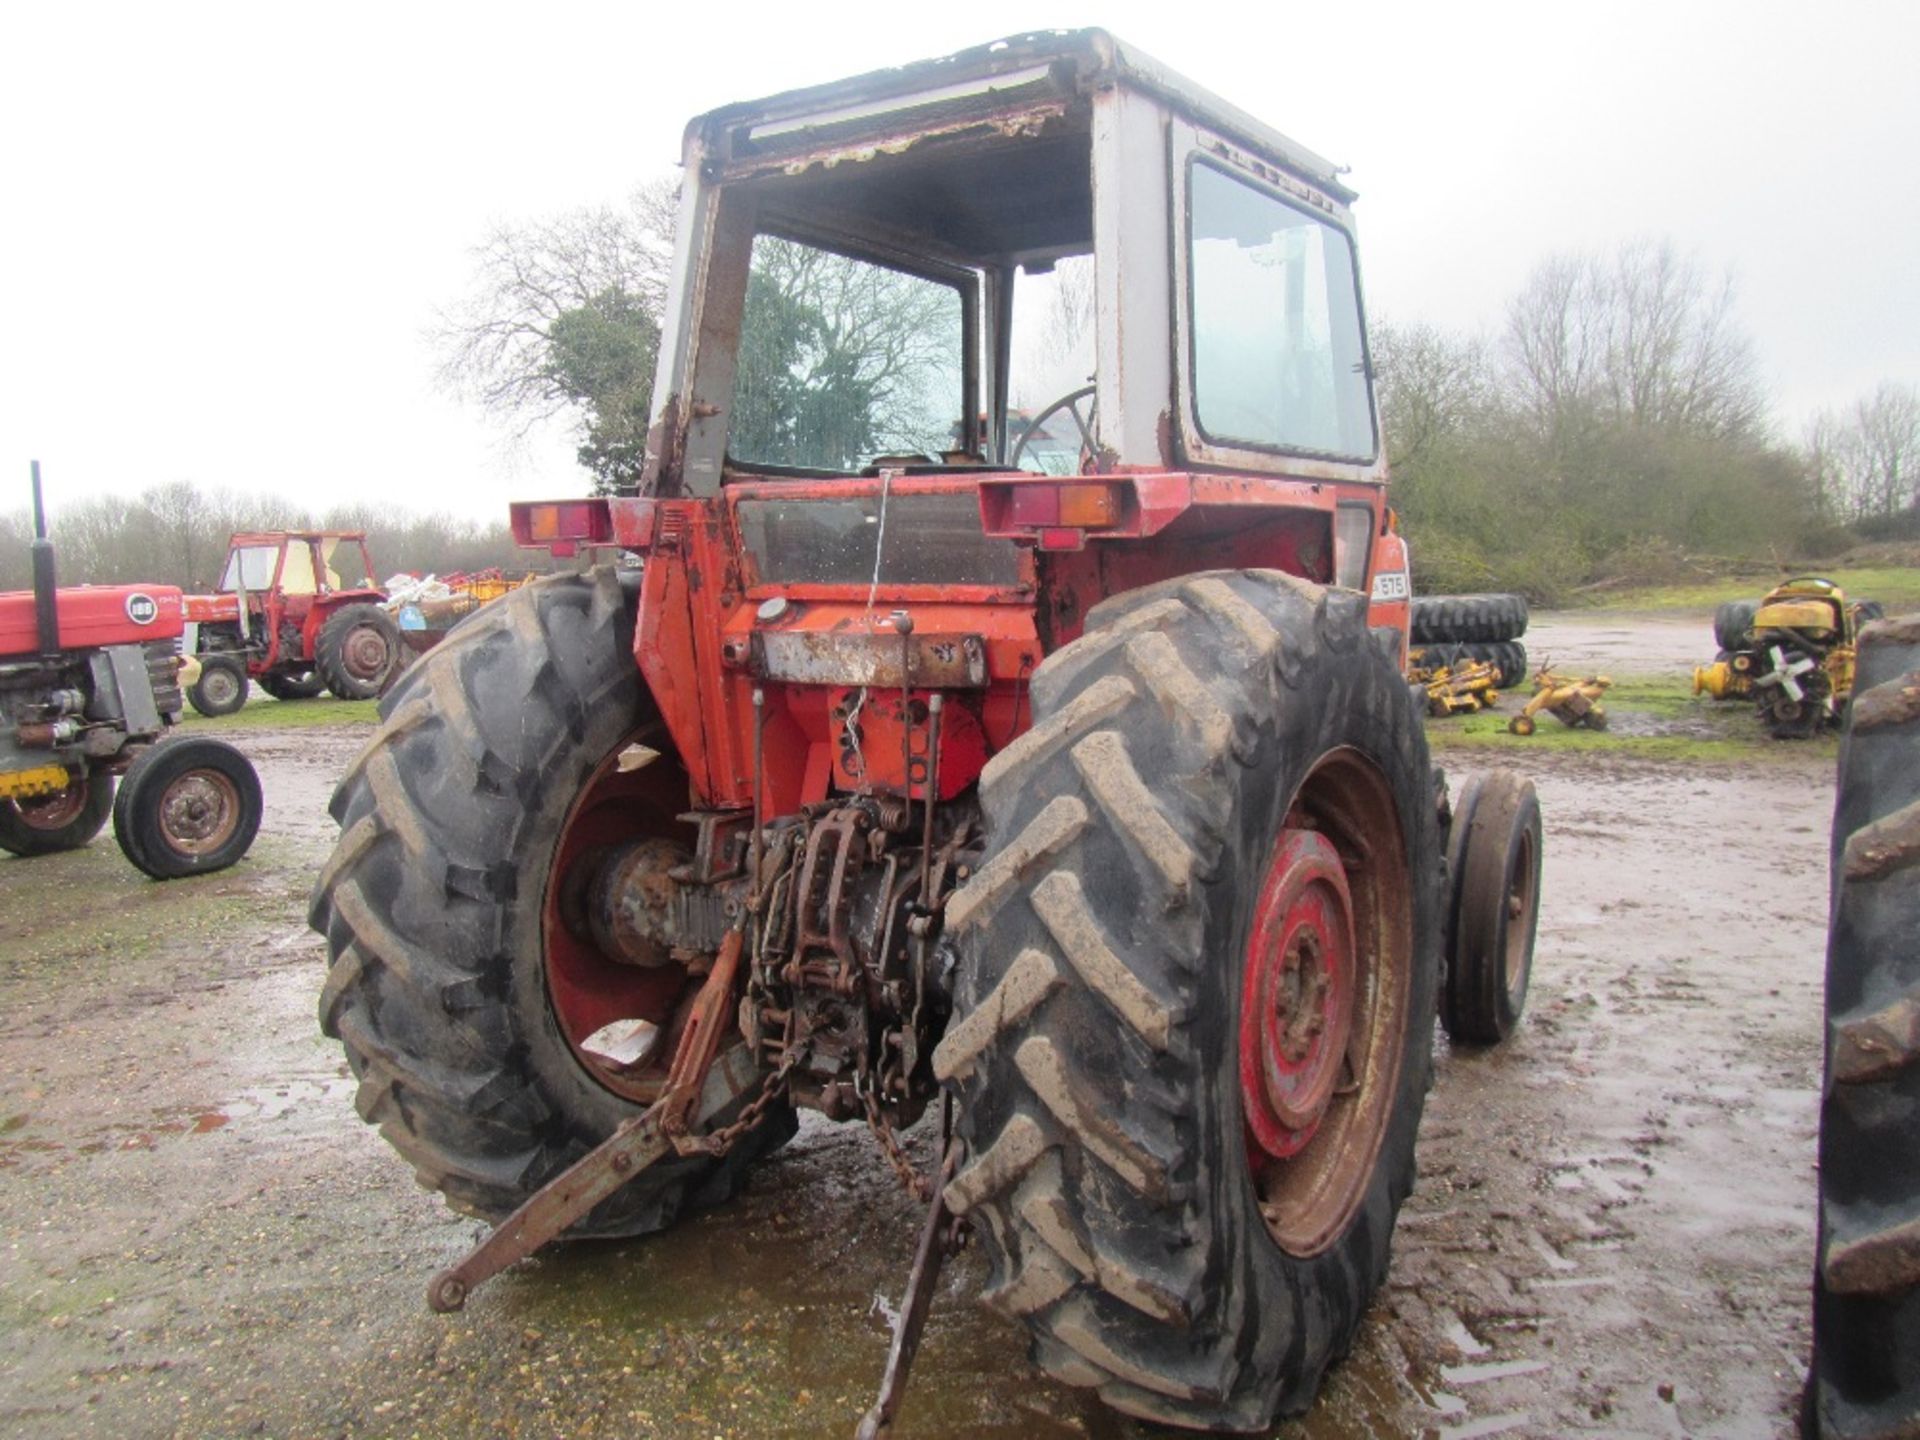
column 1057, row 514
column 561, row 527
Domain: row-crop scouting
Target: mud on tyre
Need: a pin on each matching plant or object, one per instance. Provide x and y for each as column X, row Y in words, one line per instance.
column 1866, row 1290
column 445, row 963
column 1206, row 763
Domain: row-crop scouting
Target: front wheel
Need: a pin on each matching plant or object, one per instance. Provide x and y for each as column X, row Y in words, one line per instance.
column 1193, row 1032
column 187, row 806
column 64, row 820
column 357, row 653
column 221, row 688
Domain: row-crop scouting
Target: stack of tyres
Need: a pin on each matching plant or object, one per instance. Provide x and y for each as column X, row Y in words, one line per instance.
column 1452, row 630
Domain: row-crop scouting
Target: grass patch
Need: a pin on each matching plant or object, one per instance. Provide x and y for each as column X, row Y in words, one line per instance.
column 263, row 712
column 1895, row 586
column 1651, row 717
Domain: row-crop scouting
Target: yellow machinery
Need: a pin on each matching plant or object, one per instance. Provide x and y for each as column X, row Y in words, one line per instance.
column 1730, row 678
column 1793, row 657
column 1572, row 702
column 488, row 585
column 1460, row 690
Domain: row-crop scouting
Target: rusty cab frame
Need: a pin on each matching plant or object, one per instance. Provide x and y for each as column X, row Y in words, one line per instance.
column 970, row 170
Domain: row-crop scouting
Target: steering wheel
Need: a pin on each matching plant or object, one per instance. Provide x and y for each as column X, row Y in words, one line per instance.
column 1071, row 404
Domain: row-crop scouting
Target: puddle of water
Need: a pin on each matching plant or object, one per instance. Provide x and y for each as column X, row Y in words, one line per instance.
column 1493, row 1370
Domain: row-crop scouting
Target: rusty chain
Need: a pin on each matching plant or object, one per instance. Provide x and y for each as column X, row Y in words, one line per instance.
column 718, row 1142
column 917, row 1185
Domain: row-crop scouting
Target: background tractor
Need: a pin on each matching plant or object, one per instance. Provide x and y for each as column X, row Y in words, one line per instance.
column 89, row 688
column 1081, row 799
column 282, row 617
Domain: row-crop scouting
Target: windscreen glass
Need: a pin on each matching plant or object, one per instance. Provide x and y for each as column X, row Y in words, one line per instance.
column 1050, row 415
column 844, row 363
column 1278, row 360
column 926, row 540
column 250, row 568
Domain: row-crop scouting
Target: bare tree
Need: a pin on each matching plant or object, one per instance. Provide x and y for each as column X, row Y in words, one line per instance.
column 1644, row 337
column 1867, row 457
column 563, row 321
column 1431, row 385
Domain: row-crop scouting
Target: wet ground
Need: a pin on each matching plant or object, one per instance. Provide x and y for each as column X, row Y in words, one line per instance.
column 1620, row 642
column 1611, row 1235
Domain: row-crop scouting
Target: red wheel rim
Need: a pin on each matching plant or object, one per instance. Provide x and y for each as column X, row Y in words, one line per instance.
column 588, row 991
column 1325, row 990
column 1297, row 1006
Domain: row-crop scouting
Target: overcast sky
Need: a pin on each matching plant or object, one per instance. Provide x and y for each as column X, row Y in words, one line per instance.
column 227, row 228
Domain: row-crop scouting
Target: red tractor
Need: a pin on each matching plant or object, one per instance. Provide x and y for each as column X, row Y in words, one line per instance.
column 1081, row 801
column 89, row 689
column 283, row 617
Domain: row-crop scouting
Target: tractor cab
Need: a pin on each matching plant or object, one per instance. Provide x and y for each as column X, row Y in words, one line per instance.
column 1047, row 257
column 1015, row 330
column 942, row 257
column 296, row 566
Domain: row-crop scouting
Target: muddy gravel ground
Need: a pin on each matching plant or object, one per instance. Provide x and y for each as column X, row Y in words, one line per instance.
column 1612, row 1232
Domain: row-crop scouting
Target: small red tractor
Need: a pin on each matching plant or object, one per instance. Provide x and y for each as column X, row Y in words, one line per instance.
column 89, row 688
column 1084, row 804
column 283, row 618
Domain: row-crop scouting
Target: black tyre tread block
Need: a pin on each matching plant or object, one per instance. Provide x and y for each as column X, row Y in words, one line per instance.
column 431, row 908
column 1456, row 618
column 1866, row 1346
column 1120, row 826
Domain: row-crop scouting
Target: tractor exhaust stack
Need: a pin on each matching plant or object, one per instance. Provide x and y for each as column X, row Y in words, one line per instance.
column 46, row 613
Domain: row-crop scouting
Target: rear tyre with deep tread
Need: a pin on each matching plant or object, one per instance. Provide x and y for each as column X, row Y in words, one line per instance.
column 1101, row 1009
column 1438, row 619
column 1494, row 850
column 434, row 907
column 1866, row 1289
